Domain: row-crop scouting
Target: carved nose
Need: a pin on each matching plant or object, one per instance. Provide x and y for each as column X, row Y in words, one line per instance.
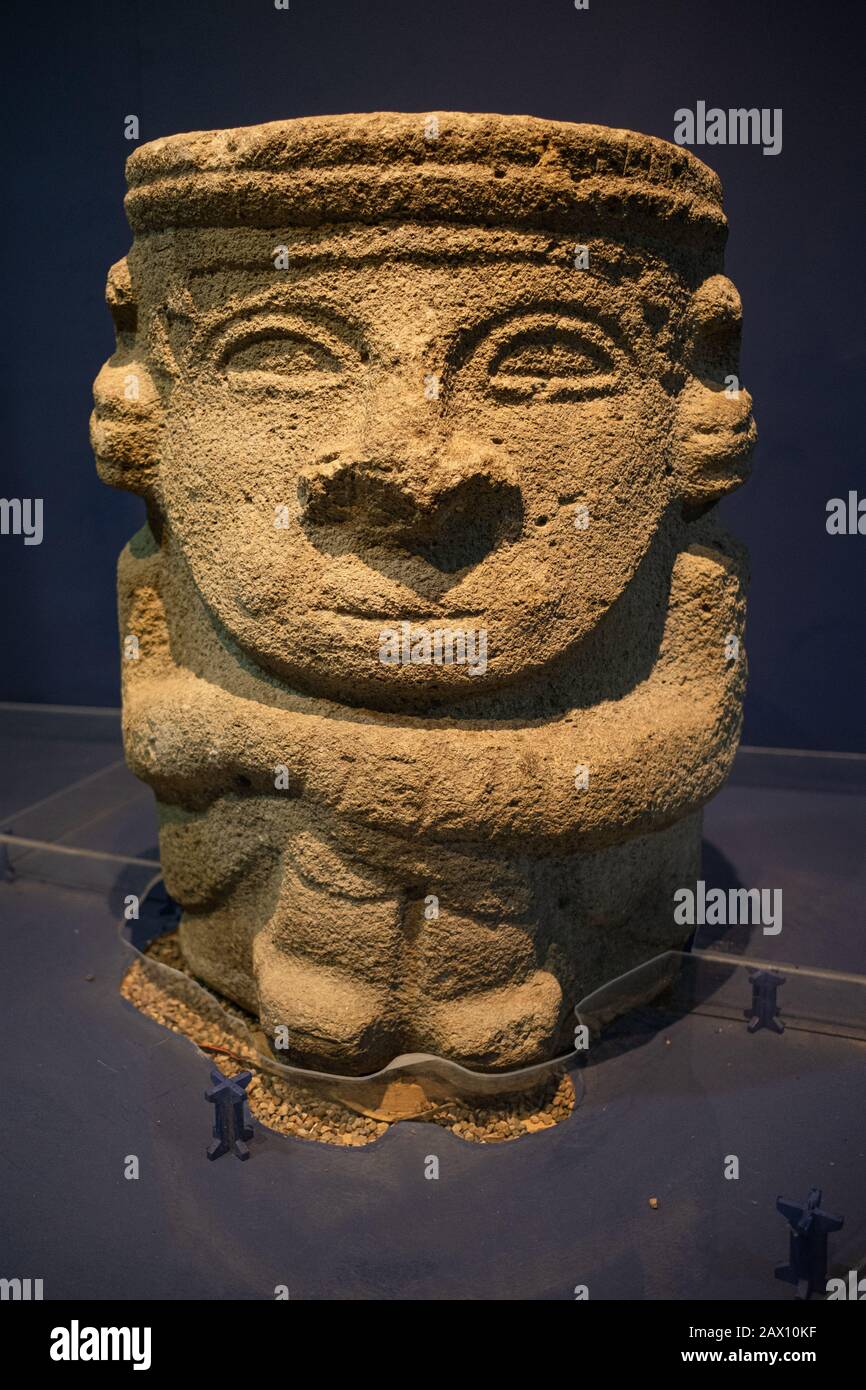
column 450, row 515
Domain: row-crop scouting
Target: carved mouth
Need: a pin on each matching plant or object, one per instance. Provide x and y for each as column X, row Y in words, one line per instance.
column 372, row 611
column 392, row 590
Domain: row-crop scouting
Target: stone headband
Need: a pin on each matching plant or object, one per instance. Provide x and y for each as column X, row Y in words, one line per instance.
column 497, row 170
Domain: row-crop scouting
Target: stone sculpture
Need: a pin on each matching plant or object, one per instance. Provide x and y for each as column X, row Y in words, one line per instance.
column 431, row 643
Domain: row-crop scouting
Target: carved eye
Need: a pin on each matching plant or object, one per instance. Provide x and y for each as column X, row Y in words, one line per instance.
column 551, row 362
column 287, row 358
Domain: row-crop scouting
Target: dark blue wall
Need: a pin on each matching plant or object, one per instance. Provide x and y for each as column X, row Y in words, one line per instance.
column 796, row 252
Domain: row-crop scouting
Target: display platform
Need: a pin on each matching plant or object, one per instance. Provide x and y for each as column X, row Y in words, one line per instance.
column 627, row 1199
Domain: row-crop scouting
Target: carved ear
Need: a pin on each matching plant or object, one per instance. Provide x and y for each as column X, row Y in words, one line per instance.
column 714, row 434
column 125, row 424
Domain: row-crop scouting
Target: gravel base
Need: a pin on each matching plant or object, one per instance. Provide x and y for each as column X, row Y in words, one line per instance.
column 292, row 1108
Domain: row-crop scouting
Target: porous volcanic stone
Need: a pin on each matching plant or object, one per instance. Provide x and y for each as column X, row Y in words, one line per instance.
column 431, row 642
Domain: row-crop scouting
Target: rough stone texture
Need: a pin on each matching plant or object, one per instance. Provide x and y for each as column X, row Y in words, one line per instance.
column 421, row 411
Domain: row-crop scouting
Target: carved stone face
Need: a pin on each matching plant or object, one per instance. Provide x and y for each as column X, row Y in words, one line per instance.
column 378, row 435
column 407, row 421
